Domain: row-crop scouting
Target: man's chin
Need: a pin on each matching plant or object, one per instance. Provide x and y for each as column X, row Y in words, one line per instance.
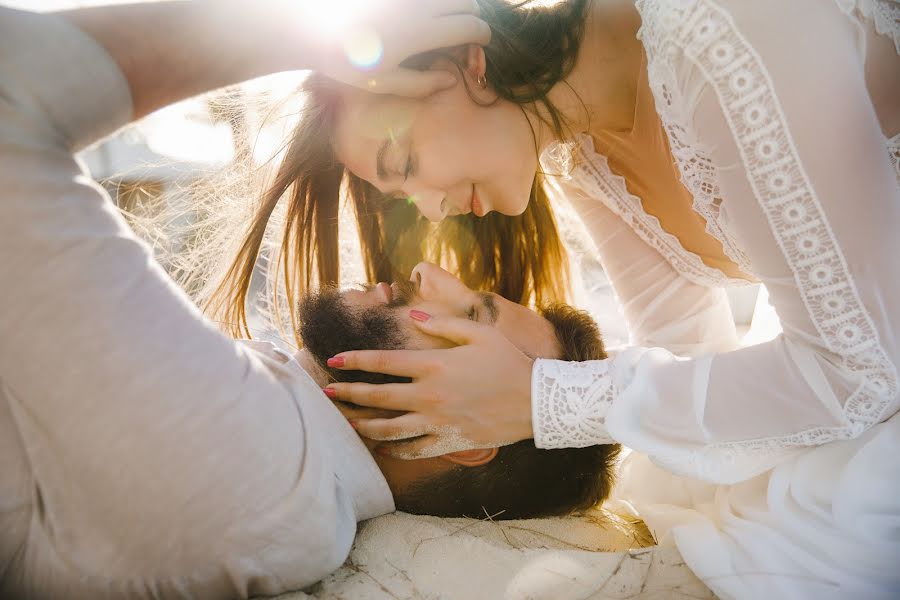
column 331, row 324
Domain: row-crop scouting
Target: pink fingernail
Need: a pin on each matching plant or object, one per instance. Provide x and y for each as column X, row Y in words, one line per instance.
column 354, row 424
column 330, row 393
column 336, row 362
column 418, row 315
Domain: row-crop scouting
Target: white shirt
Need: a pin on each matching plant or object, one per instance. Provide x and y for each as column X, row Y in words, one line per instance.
column 142, row 452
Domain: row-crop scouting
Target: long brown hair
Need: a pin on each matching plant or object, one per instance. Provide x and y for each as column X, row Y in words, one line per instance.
column 522, row 258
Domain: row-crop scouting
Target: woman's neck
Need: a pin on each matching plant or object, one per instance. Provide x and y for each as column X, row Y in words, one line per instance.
column 601, row 91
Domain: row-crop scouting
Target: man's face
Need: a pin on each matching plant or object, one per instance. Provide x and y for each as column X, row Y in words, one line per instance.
column 433, row 290
column 377, row 317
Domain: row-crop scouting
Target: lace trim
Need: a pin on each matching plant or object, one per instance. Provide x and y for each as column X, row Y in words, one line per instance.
column 884, row 13
column 708, row 38
column 570, row 403
column 593, row 175
column 698, row 173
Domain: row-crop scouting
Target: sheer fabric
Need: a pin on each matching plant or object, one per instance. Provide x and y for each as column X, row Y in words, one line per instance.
column 822, row 526
column 807, row 198
column 779, row 120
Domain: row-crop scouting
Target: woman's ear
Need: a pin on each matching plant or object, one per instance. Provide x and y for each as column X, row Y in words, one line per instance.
column 473, row 62
column 471, row 458
column 476, row 63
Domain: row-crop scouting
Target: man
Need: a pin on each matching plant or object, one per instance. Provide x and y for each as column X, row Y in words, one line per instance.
column 517, row 481
column 142, row 453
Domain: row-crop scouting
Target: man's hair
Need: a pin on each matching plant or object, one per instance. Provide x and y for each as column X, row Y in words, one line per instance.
column 524, row 481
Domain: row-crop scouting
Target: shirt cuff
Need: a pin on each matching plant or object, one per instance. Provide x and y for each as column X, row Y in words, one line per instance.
column 61, row 78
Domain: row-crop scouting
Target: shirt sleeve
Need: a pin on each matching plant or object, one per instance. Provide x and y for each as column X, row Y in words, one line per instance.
column 810, row 191
column 167, row 459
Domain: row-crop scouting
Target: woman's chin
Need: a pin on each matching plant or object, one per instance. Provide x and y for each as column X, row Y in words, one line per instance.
column 508, row 209
column 513, row 211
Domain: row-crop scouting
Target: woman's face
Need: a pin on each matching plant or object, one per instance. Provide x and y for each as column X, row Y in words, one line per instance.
column 445, row 153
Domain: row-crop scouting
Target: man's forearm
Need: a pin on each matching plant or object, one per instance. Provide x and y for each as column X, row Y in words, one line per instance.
column 169, row 51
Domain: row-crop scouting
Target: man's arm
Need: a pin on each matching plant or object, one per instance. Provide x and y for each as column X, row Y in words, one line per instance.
column 169, row 51
column 168, row 459
column 173, row 50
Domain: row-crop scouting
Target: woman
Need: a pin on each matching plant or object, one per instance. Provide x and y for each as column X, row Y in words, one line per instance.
column 704, row 143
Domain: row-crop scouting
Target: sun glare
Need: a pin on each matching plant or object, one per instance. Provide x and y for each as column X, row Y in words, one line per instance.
column 342, row 20
column 364, row 48
column 334, row 17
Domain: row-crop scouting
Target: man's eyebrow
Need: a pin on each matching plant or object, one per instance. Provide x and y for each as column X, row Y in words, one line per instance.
column 380, row 169
column 488, row 301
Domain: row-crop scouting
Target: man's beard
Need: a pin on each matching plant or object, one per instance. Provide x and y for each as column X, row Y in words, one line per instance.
column 328, row 326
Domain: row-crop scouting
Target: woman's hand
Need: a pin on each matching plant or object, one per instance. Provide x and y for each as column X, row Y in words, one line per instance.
column 475, row 395
column 363, row 42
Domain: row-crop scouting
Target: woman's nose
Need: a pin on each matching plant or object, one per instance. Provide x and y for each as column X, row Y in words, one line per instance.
column 435, row 282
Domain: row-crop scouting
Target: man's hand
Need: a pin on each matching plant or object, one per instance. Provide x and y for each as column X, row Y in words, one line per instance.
column 363, row 42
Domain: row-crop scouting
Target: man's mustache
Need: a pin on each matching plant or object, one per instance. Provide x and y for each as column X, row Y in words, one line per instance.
column 405, row 291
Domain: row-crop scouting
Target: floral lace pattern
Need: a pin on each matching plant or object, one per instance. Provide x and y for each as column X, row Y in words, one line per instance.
column 702, row 34
column 574, row 398
column 884, row 13
column 581, row 165
column 793, row 210
column 698, row 172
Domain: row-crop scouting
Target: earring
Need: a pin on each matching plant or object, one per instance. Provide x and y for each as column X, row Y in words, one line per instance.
column 482, row 81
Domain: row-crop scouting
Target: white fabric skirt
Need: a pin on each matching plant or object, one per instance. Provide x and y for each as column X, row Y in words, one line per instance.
column 823, row 525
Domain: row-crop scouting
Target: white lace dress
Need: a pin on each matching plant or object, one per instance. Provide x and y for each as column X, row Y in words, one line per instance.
column 786, row 455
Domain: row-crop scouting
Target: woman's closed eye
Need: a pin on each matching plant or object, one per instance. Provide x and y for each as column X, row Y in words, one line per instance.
column 408, row 171
column 410, row 168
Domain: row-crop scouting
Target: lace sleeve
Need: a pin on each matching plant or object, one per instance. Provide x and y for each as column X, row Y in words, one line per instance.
column 571, row 401
column 812, row 195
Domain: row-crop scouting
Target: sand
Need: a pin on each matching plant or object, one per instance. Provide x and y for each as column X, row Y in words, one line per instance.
column 401, row 556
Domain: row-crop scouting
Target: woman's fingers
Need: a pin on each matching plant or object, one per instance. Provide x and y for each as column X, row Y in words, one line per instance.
column 402, row 363
column 454, row 329
column 389, row 396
